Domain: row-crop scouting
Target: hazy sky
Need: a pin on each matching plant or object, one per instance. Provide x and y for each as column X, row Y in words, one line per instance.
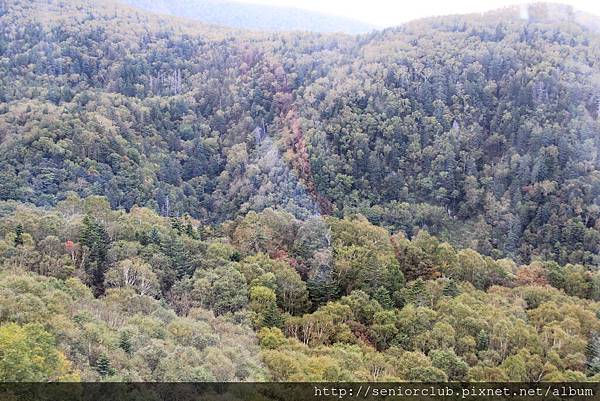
column 385, row 13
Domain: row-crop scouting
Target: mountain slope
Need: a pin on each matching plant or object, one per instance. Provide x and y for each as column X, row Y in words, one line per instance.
column 183, row 202
column 481, row 129
column 253, row 16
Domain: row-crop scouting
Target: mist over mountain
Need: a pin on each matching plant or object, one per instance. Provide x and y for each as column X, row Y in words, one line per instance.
column 253, row 16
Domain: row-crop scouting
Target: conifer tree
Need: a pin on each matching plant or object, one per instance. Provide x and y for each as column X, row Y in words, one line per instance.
column 321, row 287
column 483, row 340
column 176, row 225
column 451, row 289
column 189, row 230
column 154, row 236
column 19, row 235
column 96, row 241
column 382, row 295
column 125, row 342
column 272, row 316
column 103, row 366
column 175, row 250
column 592, row 351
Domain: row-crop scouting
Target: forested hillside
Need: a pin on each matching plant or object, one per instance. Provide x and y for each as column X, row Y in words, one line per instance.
column 88, row 293
column 186, row 202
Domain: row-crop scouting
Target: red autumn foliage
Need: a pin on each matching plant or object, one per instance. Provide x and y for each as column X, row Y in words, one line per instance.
column 532, row 275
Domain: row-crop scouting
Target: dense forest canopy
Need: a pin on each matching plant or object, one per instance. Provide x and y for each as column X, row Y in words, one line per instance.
column 480, row 130
column 183, row 202
column 134, row 296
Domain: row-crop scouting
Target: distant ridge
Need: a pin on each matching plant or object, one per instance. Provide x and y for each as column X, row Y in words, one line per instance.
column 253, row 16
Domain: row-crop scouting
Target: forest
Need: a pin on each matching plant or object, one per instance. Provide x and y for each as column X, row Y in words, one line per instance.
column 89, row 293
column 186, row 202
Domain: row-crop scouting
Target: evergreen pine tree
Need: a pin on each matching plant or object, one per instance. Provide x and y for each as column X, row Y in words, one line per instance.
column 103, row 366
column 142, row 238
column 200, row 232
column 382, row 295
column 95, row 238
column 592, row 353
column 19, row 235
column 417, row 293
column 235, row 256
column 154, row 236
column 189, row 230
column 175, row 250
column 176, row 225
column 321, row 287
column 513, row 236
column 483, row 340
column 451, row 289
column 272, row 317
column 125, row 342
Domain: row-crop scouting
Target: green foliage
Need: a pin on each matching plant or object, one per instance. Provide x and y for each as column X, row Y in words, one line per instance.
column 103, row 366
column 260, row 182
column 29, row 354
column 382, row 296
column 451, row 289
column 593, row 355
column 125, row 342
column 291, row 291
column 173, row 247
column 491, row 320
column 18, row 235
column 201, row 122
column 221, row 290
column 453, row 366
column 95, row 242
column 483, row 340
column 271, row 337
